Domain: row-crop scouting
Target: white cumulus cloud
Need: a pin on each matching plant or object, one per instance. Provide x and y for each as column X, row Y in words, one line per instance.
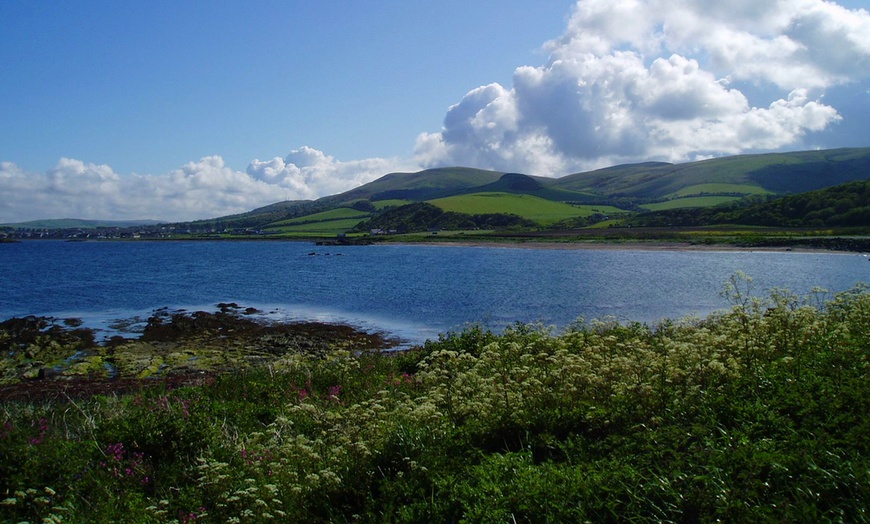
column 203, row 189
column 671, row 80
column 307, row 173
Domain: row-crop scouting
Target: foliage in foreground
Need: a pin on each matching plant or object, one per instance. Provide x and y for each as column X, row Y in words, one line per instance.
column 758, row 413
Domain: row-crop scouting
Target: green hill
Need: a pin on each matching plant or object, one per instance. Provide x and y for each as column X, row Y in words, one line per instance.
column 741, row 175
column 649, row 186
column 675, row 191
column 642, row 187
column 423, row 185
column 846, row 205
column 517, row 183
column 635, row 184
column 332, row 222
column 265, row 215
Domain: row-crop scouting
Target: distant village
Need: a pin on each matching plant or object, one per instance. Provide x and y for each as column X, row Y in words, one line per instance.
column 155, row 232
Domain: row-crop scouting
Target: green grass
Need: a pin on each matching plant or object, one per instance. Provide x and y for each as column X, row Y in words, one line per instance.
column 714, row 189
column 393, row 202
column 447, row 177
column 777, row 172
column 676, row 203
column 422, row 185
column 326, row 223
column 757, row 413
column 328, row 227
column 526, row 206
column 341, row 213
column 604, row 224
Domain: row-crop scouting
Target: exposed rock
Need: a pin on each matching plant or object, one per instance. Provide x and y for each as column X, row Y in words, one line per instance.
column 39, row 350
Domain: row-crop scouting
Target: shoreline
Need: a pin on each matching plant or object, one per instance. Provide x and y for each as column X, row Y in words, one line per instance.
column 628, row 246
column 64, row 358
column 845, row 245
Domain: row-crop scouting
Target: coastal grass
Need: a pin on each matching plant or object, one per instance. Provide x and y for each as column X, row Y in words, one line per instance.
column 755, row 413
column 483, row 234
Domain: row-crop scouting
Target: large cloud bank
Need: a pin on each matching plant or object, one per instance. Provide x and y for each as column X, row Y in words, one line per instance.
column 629, row 80
column 203, row 189
column 670, row 80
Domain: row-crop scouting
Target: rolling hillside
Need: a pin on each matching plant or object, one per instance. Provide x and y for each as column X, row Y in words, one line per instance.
column 632, row 188
column 845, row 205
column 541, row 187
column 423, row 185
column 651, row 186
column 775, row 173
column 530, row 207
column 423, row 216
column 735, row 176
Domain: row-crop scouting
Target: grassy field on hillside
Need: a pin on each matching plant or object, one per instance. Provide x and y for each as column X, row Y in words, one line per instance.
column 713, row 189
column 777, row 172
column 326, row 223
column 341, row 213
column 677, row 203
column 393, row 202
column 325, row 228
column 526, row 206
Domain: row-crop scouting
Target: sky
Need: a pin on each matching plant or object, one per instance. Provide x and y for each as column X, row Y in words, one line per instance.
column 196, row 109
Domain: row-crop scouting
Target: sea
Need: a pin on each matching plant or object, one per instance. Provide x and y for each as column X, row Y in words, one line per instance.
column 412, row 292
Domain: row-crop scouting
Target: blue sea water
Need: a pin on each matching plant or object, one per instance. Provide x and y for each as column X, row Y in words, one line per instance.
column 412, row 291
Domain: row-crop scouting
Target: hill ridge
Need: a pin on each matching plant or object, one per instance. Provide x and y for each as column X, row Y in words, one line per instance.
column 628, row 187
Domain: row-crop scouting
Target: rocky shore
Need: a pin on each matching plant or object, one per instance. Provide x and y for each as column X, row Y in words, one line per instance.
column 48, row 358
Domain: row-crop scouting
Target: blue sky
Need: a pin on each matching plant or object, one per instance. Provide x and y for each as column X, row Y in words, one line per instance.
column 148, row 86
column 184, row 110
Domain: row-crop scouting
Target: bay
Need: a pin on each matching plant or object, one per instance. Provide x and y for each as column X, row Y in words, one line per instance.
column 414, row 292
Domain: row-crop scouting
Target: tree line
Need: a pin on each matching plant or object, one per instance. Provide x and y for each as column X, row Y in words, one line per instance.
column 846, row 205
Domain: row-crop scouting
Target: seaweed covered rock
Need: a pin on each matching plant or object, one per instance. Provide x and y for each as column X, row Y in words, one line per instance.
column 173, row 344
column 35, row 347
